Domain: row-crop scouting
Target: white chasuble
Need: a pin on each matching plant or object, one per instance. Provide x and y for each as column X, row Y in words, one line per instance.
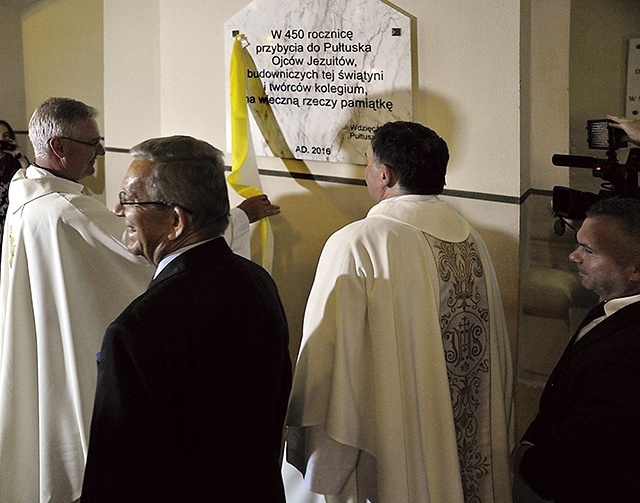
column 464, row 323
column 402, row 391
column 65, row 276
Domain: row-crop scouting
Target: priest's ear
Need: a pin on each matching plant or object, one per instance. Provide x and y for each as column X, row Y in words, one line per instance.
column 56, row 145
column 387, row 176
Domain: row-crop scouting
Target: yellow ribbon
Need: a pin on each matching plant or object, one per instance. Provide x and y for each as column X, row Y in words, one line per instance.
column 244, row 177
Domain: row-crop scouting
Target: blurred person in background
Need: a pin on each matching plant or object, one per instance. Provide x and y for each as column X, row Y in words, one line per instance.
column 11, row 160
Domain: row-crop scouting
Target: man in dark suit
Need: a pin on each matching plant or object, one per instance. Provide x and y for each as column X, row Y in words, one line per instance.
column 584, row 444
column 194, row 375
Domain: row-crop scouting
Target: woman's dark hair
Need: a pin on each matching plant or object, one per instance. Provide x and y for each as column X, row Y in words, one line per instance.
column 12, row 133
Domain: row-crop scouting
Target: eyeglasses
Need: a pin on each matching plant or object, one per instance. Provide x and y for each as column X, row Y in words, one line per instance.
column 122, row 197
column 93, row 144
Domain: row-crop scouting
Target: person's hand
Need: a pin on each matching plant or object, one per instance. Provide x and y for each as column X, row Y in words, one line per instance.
column 258, row 207
column 629, row 126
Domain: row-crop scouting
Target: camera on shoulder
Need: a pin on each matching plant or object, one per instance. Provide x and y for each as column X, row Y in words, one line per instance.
column 619, row 179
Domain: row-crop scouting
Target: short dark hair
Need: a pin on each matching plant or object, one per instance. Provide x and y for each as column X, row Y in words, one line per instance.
column 10, row 130
column 626, row 211
column 415, row 153
column 189, row 173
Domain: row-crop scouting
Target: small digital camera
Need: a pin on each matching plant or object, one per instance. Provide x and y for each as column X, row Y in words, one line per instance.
column 5, row 145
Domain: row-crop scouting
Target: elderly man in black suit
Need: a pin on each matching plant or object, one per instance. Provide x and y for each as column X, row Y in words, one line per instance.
column 584, row 444
column 194, row 375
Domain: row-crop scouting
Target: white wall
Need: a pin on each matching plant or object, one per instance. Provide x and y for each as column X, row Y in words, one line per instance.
column 498, row 95
column 468, row 77
column 63, row 56
column 547, row 78
column 132, row 74
column 492, row 79
column 12, row 88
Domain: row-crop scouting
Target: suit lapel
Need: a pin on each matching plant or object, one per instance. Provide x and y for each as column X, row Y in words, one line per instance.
column 608, row 327
column 174, row 267
column 204, row 253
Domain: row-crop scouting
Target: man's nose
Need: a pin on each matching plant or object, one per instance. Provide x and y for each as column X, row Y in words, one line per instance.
column 574, row 256
column 118, row 209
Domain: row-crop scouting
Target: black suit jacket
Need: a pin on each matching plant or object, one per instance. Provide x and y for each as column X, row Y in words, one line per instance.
column 586, row 436
column 193, row 383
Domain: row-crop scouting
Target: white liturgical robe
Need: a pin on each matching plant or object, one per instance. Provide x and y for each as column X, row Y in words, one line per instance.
column 402, row 391
column 237, row 234
column 65, row 276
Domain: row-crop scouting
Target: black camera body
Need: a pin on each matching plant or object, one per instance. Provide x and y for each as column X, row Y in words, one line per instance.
column 619, row 179
column 5, row 145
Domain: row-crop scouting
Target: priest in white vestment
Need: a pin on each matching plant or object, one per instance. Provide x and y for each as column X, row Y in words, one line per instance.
column 403, row 387
column 65, row 276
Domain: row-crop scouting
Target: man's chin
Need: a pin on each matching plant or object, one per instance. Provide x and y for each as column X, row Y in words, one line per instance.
column 88, row 173
column 133, row 247
column 584, row 280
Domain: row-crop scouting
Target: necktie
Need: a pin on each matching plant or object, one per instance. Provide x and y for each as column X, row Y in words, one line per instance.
column 595, row 312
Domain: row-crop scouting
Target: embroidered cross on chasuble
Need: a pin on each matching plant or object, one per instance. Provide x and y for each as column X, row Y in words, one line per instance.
column 464, row 323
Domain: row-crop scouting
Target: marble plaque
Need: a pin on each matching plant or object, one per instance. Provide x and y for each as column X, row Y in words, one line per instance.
column 633, row 79
column 323, row 74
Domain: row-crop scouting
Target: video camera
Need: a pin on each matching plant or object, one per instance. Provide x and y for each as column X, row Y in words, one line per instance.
column 619, row 179
column 5, row 145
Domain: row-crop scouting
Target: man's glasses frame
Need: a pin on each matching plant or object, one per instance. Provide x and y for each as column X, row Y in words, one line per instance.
column 93, row 144
column 122, row 199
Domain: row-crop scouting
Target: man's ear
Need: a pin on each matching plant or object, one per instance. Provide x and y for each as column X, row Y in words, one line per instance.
column 635, row 273
column 57, row 147
column 387, row 176
column 180, row 223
